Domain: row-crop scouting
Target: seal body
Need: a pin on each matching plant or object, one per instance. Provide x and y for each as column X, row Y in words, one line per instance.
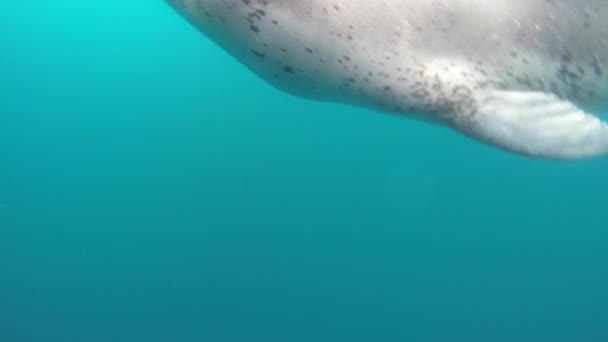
column 527, row 76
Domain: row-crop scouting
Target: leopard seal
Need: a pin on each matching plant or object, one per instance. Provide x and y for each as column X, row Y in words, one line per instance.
column 526, row 76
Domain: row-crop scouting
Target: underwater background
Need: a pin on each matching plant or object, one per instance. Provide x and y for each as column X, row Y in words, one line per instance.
column 153, row 189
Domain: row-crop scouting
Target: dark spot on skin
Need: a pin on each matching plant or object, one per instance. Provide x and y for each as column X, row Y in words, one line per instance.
column 253, row 16
column 257, row 53
column 581, row 71
column 597, row 66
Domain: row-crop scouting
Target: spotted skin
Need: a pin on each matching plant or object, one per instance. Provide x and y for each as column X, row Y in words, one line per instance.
column 422, row 59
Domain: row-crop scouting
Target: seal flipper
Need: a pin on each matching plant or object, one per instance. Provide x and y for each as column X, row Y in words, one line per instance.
column 535, row 124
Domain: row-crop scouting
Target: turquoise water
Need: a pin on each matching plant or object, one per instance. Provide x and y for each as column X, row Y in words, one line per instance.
column 152, row 189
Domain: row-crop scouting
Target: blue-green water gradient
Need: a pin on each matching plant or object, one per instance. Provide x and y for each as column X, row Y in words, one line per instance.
column 152, row 189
